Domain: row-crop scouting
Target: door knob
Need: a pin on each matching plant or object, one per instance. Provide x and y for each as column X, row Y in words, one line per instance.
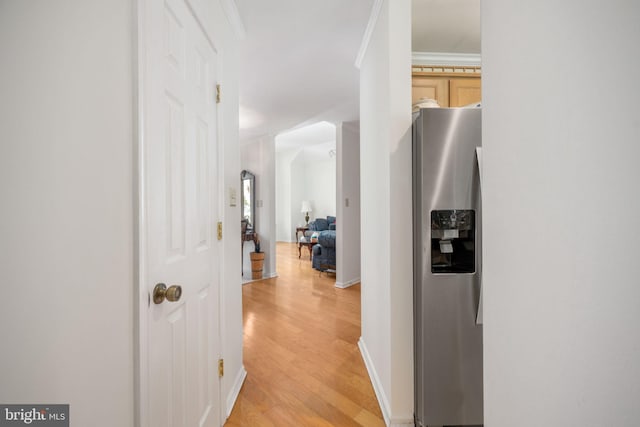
column 161, row 292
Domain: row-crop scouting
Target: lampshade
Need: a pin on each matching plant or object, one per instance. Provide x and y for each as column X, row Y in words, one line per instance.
column 306, row 206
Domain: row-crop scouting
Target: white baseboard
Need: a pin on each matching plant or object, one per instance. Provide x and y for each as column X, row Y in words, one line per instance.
column 404, row 423
column 375, row 380
column 264, row 277
column 235, row 390
column 389, row 420
column 347, row 283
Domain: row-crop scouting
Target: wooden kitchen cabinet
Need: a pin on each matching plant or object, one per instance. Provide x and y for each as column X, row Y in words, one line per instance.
column 464, row 91
column 430, row 87
column 449, row 86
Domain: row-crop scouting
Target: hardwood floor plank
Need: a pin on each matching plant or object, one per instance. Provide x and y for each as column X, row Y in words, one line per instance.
column 300, row 351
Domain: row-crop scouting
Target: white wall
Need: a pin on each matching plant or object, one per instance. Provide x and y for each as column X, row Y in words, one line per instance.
column 66, row 185
column 401, row 206
column 284, row 227
column 561, row 132
column 258, row 157
column 348, row 204
column 320, row 185
column 303, row 174
column 385, row 161
column 297, row 175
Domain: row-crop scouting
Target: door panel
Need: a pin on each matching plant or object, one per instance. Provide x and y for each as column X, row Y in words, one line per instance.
column 175, row 155
column 180, row 199
column 203, row 371
column 177, row 326
column 202, row 189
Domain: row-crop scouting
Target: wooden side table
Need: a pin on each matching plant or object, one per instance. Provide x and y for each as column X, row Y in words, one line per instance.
column 308, row 245
column 302, row 230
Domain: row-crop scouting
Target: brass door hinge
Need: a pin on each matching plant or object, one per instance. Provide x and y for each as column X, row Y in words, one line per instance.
column 220, row 367
column 218, row 94
column 219, row 230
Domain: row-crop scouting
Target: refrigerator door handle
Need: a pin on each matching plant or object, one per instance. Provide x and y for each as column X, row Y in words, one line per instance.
column 479, row 160
column 479, row 305
column 479, row 313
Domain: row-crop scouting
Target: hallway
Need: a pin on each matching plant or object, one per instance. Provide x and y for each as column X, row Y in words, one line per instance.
column 300, row 351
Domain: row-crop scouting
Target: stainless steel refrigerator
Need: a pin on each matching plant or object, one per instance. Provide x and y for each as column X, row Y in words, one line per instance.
column 447, row 267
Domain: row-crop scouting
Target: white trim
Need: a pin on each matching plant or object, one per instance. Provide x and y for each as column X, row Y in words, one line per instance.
column 379, row 390
column 232, row 397
column 265, row 277
column 368, row 32
column 233, row 16
column 141, row 326
column 219, row 259
column 347, row 284
column 437, row 58
column 402, row 423
column 375, row 380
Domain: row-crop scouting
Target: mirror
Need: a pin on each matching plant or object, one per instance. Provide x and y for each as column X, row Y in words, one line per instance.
column 248, row 210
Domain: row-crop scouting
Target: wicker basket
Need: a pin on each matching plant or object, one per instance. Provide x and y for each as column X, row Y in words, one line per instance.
column 257, row 263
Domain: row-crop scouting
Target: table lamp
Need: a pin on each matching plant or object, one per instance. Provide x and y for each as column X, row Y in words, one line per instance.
column 306, row 208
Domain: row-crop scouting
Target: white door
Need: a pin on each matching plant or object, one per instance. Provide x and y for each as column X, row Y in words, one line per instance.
column 180, row 204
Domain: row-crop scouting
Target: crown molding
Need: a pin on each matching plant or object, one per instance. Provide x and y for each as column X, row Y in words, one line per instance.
column 368, row 32
column 233, row 16
column 437, row 58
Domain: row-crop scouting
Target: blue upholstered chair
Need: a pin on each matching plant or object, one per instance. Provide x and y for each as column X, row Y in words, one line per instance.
column 321, row 224
column 324, row 252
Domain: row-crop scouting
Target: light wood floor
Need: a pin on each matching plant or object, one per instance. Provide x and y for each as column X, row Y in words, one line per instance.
column 300, row 351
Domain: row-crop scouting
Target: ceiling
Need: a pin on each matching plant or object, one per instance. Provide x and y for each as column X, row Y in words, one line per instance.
column 321, row 133
column 297, row 59
column 297, row 63
column 445, row 26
